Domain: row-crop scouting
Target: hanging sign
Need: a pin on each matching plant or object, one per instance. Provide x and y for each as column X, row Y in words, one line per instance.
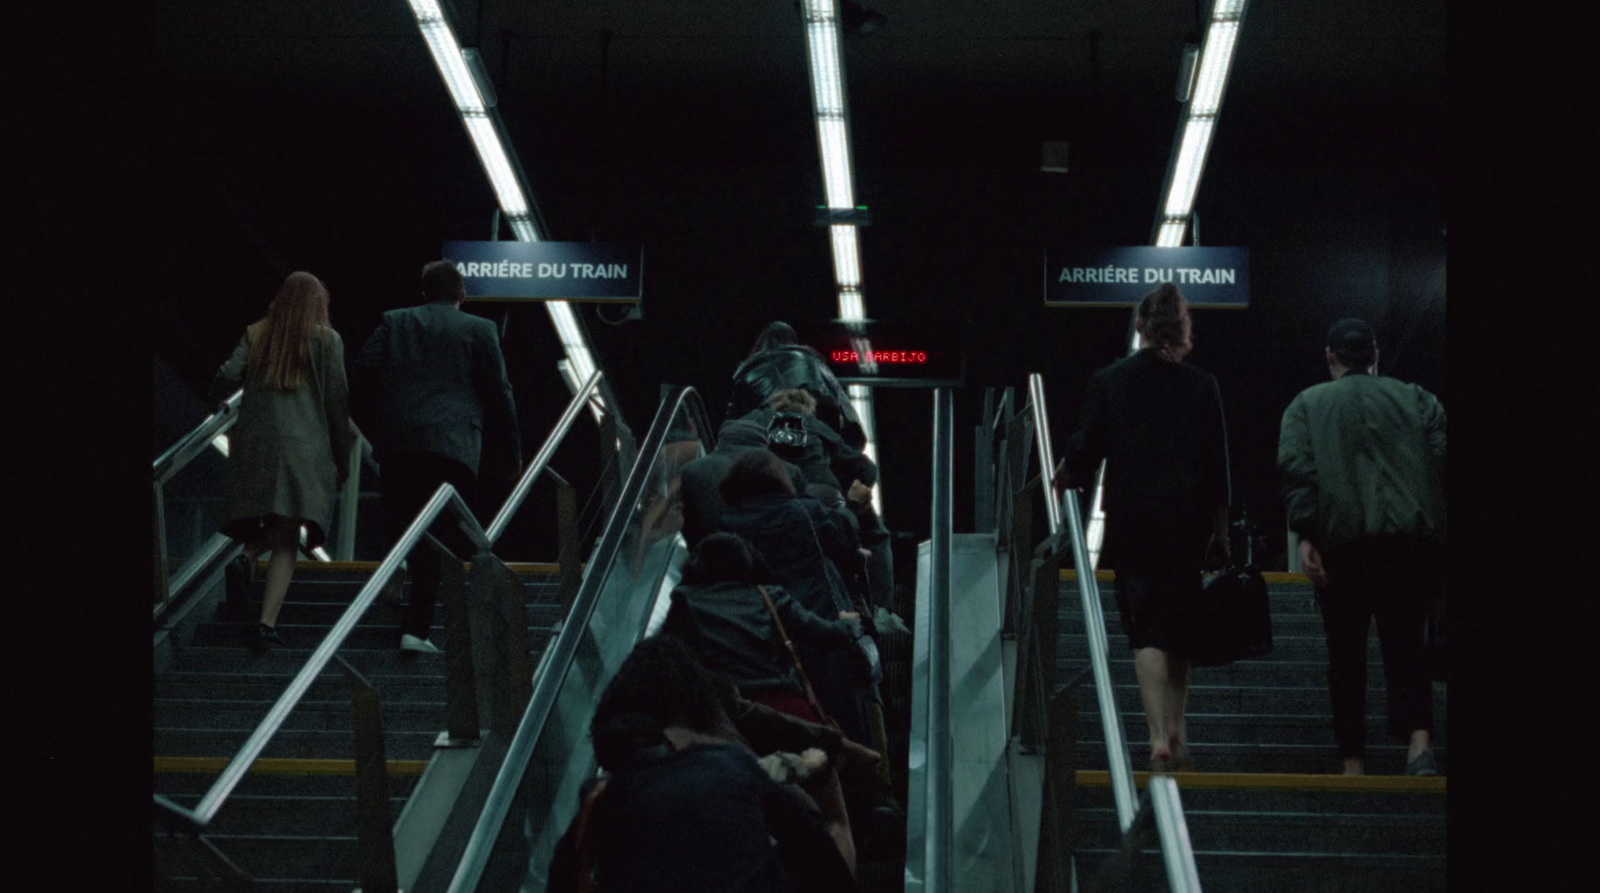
column 545, row 271
column 1121, row 277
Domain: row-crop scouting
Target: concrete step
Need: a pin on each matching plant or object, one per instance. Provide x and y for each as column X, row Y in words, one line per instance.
column 1286, row 832
column 394, row 689
column 343, row 588
column 327, row 744
column 270, row 786
column 1308, row 759
column 308, row 715
column 328, row 612
column 1283, row 647
column 1237, row 728
column 1423, row 805
column 1304, row 872
column 1280, row 600
column 292, row 857
column 297, row 633
column 1070, row 621
column 286, row 662
column 1282, row 700
column 325, row 815
column 1266, row 672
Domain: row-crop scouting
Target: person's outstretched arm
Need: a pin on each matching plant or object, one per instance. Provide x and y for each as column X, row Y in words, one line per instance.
column 1087, row 446
column 803, row 624
column 230, row 376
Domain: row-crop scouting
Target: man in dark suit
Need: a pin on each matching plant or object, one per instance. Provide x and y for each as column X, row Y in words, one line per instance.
column 438, row 381
column 1158, row 425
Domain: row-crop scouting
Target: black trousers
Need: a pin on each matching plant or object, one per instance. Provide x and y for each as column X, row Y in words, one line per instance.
column 408, row 481
column 1393, row 580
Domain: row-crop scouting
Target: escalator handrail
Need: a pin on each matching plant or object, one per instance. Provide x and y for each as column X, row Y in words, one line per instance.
column 563, row 651
column 445, row 498
column 1172, row 828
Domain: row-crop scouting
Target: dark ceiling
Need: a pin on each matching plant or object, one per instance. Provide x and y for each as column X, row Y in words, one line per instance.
column 302, row 134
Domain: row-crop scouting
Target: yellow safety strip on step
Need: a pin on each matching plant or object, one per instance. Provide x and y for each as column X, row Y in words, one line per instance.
column 528, row 568
column 280, row 766
column 1273, row 781
column 1270, row 577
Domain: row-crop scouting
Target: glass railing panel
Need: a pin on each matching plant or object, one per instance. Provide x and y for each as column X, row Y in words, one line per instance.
column 193, row 504
column 649, row 548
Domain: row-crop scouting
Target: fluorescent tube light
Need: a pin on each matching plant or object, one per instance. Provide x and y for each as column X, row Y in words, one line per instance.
column 851, row 307
column 820, row 11
column 1171, row 235
column 498, row 165
column 846, row 257
column 1191, row 160
column 835, row 146
column 221, row 443
column 524, row 229
column 1225, row 8
column 827, row 80
column 1214, row 62
column 427, row 10
column 447, row 56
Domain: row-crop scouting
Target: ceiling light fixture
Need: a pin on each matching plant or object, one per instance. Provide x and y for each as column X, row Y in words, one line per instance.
column 473, row 94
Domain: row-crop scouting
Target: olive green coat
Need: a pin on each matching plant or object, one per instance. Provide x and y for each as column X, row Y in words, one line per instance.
column 289, row 449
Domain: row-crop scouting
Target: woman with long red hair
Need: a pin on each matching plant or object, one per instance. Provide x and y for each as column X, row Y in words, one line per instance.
column 288, row 451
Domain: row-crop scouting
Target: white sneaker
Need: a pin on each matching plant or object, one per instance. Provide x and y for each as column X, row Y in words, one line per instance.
column 409, row 642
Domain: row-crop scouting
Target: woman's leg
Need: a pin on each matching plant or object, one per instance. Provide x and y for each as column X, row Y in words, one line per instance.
column 284, row 540
column 1151, row 666
column 1177, row 697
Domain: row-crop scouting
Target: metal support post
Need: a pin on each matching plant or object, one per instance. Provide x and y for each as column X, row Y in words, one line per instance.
column 940, row 841
column 500, row 638
column 162, row 590
column 374, row 824
column 461, row 696
column 1057, row 840
column 349, row 503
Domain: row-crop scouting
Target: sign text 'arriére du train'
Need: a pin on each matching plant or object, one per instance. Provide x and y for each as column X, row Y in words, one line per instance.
column 1116, row 277
column 542, row 271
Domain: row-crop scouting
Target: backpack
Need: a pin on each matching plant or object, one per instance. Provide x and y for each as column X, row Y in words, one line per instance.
column 787, row 435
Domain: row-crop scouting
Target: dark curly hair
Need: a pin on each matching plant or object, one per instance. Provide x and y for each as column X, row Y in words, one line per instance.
column 660, row 684
column 755, row 472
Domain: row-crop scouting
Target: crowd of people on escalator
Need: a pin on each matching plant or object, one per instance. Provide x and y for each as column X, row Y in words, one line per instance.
column 746, row 740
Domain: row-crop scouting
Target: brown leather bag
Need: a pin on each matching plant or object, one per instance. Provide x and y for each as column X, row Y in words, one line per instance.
column 585, row 843
column 811, row 694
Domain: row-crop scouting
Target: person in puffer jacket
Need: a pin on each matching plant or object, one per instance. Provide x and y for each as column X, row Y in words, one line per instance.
column 1362, row 463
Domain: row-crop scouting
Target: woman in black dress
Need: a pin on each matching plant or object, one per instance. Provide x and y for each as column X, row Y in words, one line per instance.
column 1158, row 425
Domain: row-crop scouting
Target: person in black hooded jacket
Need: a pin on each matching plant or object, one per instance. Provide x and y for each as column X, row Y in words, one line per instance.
column 778, row 361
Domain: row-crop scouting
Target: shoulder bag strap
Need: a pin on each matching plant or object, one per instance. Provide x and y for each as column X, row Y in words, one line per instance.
column 811, row 695
column 586, row 855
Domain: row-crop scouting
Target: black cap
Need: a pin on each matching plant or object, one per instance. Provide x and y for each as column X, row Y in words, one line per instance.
column 1351, row 334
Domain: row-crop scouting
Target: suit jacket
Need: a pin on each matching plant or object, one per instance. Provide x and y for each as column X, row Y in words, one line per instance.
column 436, row 379
column 1160, row 428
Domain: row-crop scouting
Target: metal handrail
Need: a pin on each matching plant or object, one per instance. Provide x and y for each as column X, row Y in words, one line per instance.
column 939, row 839
column 1122, row 786
column 178, row 456
column 1167, row 808
column 559, row 657
column 444, row 498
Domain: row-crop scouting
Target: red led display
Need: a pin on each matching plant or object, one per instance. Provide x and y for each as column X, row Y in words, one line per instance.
column 913, row 357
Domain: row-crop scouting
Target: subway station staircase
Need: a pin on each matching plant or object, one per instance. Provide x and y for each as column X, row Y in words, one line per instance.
column 1267, row 809
column 291, row 825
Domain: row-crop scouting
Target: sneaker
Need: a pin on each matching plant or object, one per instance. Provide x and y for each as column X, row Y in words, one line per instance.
column 1423, row 764
column 234, row 577
column 266, row 637
column 408, row 642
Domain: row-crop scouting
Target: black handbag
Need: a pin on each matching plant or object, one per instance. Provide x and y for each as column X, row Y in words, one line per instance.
column 1233, row 620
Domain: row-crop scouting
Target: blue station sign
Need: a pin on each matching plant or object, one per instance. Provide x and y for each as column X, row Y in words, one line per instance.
column 549, row 271
column 1121, row 277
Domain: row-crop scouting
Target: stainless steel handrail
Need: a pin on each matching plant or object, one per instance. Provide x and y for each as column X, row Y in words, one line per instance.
column 939, row 842
column 1122, row 786
column 563, row 651
column 194, row 443
column 444, row 498
column 1172, row 829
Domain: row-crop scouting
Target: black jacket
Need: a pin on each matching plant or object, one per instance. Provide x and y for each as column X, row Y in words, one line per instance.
column 702, row 500
column 730, row 627
column 781, row 529
column 1159, row 426
column 702, row 818
column 788, row 367
column 436, row 379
